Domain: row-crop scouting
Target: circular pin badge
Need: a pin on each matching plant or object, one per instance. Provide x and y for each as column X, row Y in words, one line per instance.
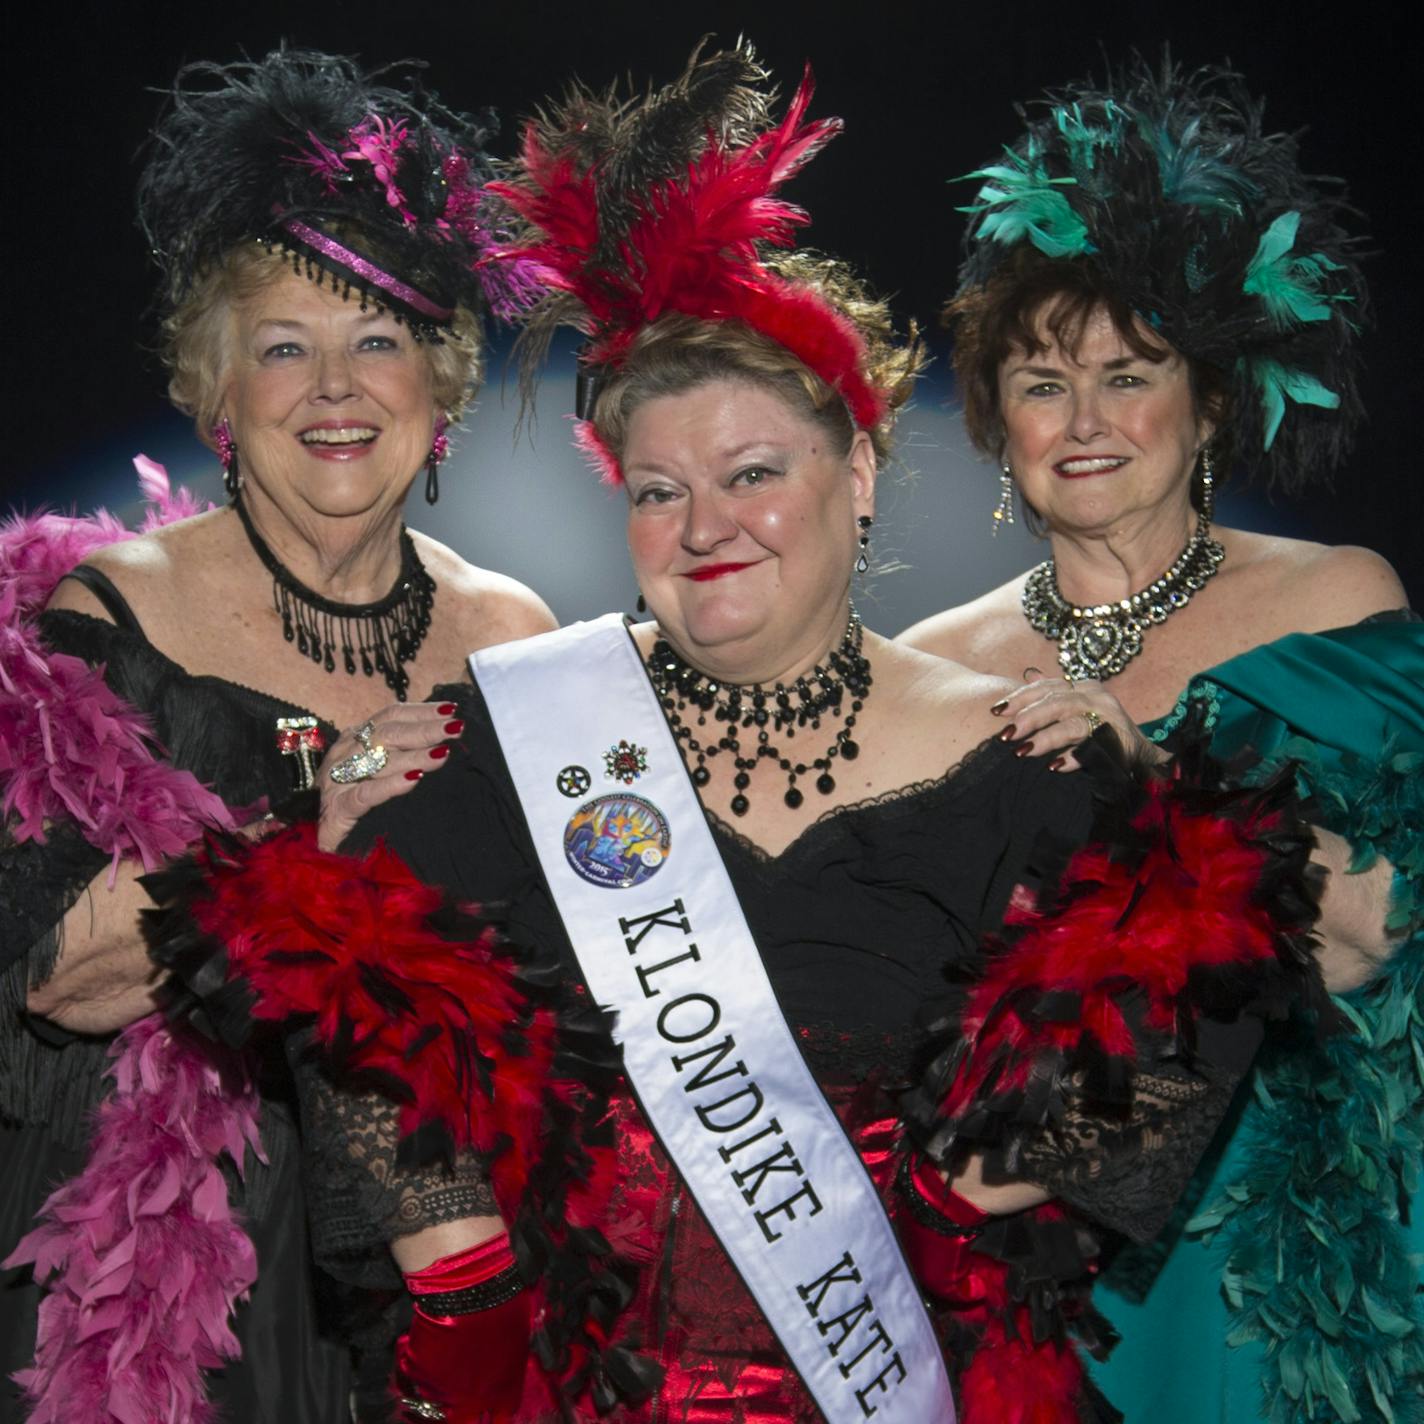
column 573, row 781
column 617, row 841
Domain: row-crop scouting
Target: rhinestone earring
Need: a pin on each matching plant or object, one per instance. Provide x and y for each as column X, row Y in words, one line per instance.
column 862, row 564
column 227, row 454
column 642, row 604
column 1208, row 485
column 1004, row 510
column 439, row 449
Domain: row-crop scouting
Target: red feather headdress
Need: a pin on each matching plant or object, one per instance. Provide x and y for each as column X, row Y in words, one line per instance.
column 635, row 211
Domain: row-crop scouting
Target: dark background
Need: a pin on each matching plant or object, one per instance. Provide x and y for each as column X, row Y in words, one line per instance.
column 927, row 92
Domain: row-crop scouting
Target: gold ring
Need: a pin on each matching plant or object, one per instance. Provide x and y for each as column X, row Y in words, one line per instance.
column 1094, row 721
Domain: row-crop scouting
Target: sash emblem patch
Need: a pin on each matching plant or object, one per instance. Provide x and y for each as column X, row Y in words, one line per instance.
column 617, row 841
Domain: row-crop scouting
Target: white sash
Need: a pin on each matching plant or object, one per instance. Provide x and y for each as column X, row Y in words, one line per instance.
column 655, row 923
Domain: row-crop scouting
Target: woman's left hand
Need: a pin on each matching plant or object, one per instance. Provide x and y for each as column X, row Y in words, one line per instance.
column 1052, row 715
column 385, row 757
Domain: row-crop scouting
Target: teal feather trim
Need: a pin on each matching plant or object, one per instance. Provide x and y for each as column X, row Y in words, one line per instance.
column 1317, row 1263
column 1276, row 384
column 1191, row 171
column 1082, row 139
column 1020, row 201
column 1290, row 285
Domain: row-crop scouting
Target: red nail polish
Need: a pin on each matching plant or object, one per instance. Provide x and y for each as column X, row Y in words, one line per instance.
column 414, row 775
column 455, row 728
column 1007, row 735
column 1024, row 749
column 999, row 707
column 1056, row 764
column 439, row 753
column 445, row 708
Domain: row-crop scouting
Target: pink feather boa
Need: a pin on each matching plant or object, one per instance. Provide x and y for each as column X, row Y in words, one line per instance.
column 142, row 1255
column 70, row 749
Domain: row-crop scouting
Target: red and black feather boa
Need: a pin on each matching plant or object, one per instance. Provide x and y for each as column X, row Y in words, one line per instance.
column 1194, row 899
column 483, row 1049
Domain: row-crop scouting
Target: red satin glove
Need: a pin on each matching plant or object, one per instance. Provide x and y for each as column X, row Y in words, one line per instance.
column 461, row 1353
column 937, row 1230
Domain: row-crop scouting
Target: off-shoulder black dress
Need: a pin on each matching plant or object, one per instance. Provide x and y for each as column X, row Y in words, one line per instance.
column 292, row 1371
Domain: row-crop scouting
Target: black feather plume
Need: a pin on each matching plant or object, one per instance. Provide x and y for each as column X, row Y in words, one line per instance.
column 1167, row 183
column 237, row 156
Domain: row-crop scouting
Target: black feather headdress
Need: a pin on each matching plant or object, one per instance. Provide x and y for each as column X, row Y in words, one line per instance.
column 379, row 189
column 1167, row 184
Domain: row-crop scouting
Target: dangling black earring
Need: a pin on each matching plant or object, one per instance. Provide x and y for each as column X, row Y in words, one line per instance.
column 642, row 604
column 439, row 448
column 862, row 564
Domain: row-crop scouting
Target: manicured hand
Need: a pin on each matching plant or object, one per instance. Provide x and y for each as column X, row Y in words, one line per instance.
column 1051, row 715
column 415, row 737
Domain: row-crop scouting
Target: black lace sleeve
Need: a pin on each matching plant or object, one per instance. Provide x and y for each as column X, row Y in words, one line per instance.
column 363, row 1195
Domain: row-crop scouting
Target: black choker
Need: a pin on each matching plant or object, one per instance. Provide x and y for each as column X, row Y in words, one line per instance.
column 775, row 710
column 375, row 637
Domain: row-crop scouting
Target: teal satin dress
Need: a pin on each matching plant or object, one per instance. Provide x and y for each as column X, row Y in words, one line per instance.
column 1290, row 1289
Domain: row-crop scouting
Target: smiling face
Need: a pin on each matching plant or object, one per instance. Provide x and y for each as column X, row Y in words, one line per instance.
column 742, row 527
column 1103, row 436
column 331, row 407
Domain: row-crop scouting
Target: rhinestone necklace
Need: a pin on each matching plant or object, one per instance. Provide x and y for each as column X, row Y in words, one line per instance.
column 375, row 637
column 1101, row 640
column 776, row 711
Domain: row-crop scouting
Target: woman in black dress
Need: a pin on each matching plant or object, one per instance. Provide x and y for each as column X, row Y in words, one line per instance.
column 322, row 326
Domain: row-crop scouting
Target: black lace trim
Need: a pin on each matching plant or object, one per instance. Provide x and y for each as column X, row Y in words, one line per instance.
column 899, row 800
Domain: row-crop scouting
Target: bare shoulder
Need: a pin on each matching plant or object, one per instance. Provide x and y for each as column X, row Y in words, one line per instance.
column 1317, row 586
column 960, row 633
column 505, row 608
column 941, row 697
column 142, row 566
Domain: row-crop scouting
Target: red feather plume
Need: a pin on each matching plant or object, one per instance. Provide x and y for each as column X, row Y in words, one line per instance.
column 693, row 248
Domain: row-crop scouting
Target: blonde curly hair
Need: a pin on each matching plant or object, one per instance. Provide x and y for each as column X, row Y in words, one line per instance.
column 196, row 339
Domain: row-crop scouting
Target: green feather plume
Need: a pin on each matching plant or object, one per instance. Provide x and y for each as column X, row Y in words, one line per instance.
column 1290, row 284
column 1276, row 384
column 1191, row 170
column 1020, row 201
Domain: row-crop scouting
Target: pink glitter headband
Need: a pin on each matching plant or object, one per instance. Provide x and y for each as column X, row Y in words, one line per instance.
column 354, row 263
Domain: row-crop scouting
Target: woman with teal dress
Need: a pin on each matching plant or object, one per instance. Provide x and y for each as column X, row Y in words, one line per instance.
column 1153, row 293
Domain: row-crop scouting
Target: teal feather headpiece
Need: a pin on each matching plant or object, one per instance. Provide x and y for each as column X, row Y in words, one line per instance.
column 1166, row 184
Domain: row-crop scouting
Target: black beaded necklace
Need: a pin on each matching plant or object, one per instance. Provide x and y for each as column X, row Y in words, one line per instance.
column 375, row 637
column 772, row 711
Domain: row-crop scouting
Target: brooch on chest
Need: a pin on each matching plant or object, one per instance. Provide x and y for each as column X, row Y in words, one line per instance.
column 302, row 739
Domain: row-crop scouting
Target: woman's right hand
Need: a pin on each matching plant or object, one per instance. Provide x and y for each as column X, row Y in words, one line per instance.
column 416, row 738
column 1054, row 714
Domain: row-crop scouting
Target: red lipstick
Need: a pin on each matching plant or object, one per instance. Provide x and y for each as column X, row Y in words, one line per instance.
column 715, row 571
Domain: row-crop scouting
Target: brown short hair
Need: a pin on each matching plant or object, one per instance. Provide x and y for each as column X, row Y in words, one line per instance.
column 677, row 353
column 1030, row 295
column 196, row 339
